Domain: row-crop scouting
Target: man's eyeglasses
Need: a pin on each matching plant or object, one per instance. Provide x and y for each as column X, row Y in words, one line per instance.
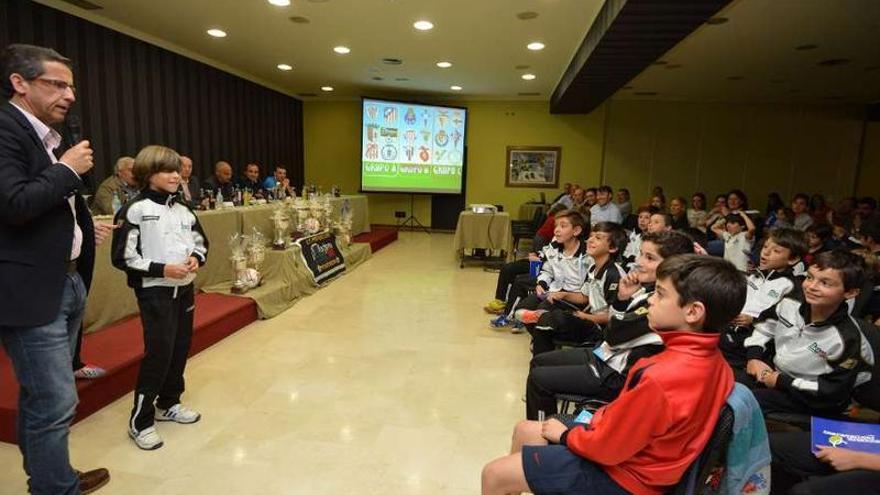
column 59, row 85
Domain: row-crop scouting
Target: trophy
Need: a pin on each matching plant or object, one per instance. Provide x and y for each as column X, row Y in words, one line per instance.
column 342, row 227
column 281, row 223
column 240, row 275
column 256, row 252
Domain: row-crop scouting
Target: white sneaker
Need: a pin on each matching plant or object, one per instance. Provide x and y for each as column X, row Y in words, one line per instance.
column 178, row 413
column 146, row 439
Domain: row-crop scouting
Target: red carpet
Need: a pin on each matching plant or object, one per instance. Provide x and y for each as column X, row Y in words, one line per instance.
column 119, row 348
column 378, row 237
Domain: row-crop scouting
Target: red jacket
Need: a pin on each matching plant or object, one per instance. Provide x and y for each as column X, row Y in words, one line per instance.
column 546, row 230
column 646, row 439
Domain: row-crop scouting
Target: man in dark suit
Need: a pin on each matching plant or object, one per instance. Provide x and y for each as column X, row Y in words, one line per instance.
column 47, row 247
column 190, row 187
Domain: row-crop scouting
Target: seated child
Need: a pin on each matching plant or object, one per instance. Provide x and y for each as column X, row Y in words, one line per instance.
column 773, row 280
column 518, row 284
column 578, row 316
column 738, row 232
column 821, row 354
column 819, row 240
column 797, row 471
column 631, row 253
column 644, row 441
column 600, row 373
column 565, row 267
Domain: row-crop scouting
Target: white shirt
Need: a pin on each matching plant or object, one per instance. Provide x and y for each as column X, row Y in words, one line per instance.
column 607, row 213
column 736, row 249
column 51, row 140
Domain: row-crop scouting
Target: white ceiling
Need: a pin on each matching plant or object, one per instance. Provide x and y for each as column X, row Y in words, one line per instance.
column 483, row 39
column 758, row 43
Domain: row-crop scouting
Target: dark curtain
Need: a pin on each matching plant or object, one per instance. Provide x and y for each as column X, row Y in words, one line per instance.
column 131, row 94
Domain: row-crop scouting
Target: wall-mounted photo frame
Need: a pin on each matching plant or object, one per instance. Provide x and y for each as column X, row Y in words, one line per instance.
column 533, row 166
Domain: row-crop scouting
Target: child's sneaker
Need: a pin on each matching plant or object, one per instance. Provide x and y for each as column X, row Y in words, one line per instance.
column 178, row 413
column 146, row 439
column 528, row 316
column 517, row 327
column 496, row 306
column 500, row 322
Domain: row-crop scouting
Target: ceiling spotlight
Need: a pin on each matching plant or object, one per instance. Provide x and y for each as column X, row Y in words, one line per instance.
column 342, row 50
column 455, row 88
column 535, row 46
column 217, row 33
column 280, row 3
column 327, row 89
column 444, row 65
column 284, row 67
column 529, row 77
column 423, row 25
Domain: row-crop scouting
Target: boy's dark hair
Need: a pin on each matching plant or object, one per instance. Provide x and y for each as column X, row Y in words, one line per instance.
column 647, row 208
column 623, row 189
column 713, row 281
column 591, row 189
column 801, row 196
column 606, row 189
column 791, row 239
column 822, row 230
column 667, row 218
column 851, row 266
column 574, row 218
column 670, row 243
column 152, row 160
column 617, row 237
column 26, row 61
column 734, row 218
column 742, row 197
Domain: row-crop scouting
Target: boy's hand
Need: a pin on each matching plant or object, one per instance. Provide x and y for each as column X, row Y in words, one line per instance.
column 534, row 257
column 192, row 264
column 552, row 430
column 840, row 459
column 698, row 249
column 102, row 231
column 555, row 296
column 769, row 378
column 583, row 315
column 539, row 290
column 743, row 320
column 755, row 367
column 628, row 286
column 176, row 271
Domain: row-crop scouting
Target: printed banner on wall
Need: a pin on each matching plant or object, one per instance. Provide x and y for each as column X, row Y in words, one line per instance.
column 322, row 256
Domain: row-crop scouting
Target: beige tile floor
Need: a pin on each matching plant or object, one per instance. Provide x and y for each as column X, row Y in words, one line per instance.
column 387, row 381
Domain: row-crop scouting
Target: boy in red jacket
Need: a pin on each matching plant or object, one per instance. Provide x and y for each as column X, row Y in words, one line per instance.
column 644, row 441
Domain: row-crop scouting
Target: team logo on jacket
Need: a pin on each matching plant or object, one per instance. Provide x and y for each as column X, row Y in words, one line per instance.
column 773, row 294
column 814, row 348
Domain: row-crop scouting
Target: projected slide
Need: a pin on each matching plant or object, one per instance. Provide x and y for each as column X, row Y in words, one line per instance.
column 412, row 148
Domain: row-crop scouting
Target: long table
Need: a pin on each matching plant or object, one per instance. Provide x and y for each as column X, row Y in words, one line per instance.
column 285, row 276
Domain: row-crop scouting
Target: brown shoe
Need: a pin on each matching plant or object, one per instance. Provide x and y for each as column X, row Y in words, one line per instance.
column 92, row 480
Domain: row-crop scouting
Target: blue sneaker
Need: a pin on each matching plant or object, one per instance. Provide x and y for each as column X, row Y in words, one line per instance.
column 517, row 327
column 500, row 322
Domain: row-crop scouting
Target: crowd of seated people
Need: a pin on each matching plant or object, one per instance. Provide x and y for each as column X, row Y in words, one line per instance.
column 657, row 312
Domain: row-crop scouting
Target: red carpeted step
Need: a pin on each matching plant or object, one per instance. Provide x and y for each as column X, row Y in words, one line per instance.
column 378, row 237
column 119, row 348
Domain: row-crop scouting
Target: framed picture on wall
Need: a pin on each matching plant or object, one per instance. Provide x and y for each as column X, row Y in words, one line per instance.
column 533, row 166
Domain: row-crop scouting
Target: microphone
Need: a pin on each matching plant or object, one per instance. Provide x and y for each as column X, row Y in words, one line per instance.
column 75, row 135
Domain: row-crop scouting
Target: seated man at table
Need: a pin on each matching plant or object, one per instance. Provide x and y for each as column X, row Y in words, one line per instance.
column 190, row 187
column 120, row 185
column 271, row 183
column 250, row 181
column 221, row 181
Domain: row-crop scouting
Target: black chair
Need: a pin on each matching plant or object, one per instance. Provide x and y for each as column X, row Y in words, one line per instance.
column 527, row 229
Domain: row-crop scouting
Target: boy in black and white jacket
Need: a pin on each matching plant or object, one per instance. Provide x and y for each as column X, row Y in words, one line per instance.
column 160, row 245
column 821, row 353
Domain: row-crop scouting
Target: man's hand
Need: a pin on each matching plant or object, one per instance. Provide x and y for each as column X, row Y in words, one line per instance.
column 79, row 158
column 102, row 231
column 176, row 271
column 192, row 264
column 755, row 367
column 743, row 320
column 840, row 459
column 552, row 430
column 628, row 286
column 539, row 290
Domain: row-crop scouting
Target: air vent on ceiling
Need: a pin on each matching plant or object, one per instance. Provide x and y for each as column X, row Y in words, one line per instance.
column 401, row 79
column 377, row 78
column 83, row 4
column 392, row 61
column 522, row 67
column 529, row 94
column 298, row 19
column 527, row 15
column 834, row 62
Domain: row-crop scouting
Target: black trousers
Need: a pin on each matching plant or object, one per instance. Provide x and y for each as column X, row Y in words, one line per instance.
column 507, row 275
column 560, row 324
column 569, row 371
column 167, row 317
column 796, row 471
column 789, row 402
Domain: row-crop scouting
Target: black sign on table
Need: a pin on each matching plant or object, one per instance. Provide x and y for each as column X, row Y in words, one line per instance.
column 322, row 256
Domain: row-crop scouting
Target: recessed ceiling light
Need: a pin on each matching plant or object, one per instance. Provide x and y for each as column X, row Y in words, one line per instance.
column 217, row 33
column 327, row 89
column 535, row 46
column 280, row 3
column 444, row 64
column 455, row 88
column 284, row 67
column 342, row 50
column 529, row 77
column 423, row 25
